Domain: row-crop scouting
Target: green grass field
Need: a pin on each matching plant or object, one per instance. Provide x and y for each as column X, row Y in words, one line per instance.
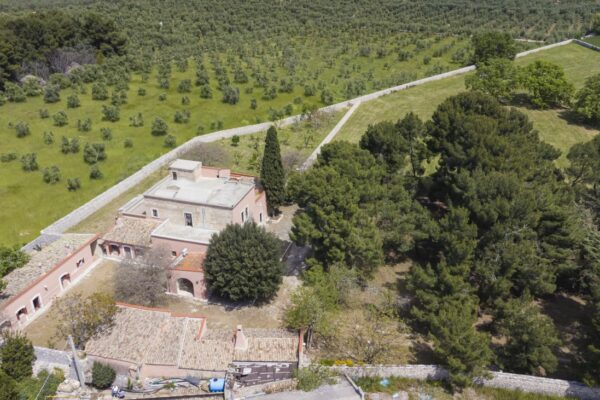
column 578, row 62
column 27, row 204
column 595, row 40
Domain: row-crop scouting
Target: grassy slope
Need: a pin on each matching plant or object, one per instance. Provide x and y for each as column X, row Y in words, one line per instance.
column 578, row 62
column 27, row 204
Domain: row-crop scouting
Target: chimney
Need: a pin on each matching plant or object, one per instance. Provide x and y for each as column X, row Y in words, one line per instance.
column 241, row 343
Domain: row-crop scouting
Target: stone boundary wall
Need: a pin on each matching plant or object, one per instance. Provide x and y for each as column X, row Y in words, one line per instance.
column 502, row 380
column 313, row 156
column 84, row 211
column 586, row 44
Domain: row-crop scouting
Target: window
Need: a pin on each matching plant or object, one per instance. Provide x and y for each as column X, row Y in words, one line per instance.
column 22, row 314
column 37, row 303
column 174, row 175
column 80, row 262
column 188, row 219
column 155, row 212
column 242, row 213
column 246, row 212
column 174, row 253
column 260, row 217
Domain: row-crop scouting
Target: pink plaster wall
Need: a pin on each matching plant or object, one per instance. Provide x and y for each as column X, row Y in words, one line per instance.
column 179, row 245
column 48, row 287
column 197, row 279
column 256, row 203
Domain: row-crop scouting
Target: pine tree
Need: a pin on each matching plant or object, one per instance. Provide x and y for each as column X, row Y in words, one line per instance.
column 271, row 173
column 17, row 356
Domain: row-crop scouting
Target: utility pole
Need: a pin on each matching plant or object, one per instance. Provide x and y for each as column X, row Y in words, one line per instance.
column 78, row 368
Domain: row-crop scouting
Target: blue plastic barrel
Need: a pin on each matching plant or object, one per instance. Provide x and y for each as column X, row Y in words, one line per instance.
column 216, row 385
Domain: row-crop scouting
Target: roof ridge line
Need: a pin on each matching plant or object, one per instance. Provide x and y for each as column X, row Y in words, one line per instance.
column 182, row 341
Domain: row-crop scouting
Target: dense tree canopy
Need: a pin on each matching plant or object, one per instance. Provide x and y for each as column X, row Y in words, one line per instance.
column 242, row 263
column 490, row 45
column 587, row 100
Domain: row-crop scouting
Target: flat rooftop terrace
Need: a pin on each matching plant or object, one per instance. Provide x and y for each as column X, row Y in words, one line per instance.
column 218, row 192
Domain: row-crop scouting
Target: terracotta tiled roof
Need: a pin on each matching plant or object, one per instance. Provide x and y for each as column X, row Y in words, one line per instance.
column 192, row 262
column 269, row 345
column 133, row 231
column 41, row 262
column 152, row 336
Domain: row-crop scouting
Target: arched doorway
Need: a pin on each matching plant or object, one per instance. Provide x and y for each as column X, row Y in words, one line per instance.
column 185, row 287
column 65, row 280
column 22, row 314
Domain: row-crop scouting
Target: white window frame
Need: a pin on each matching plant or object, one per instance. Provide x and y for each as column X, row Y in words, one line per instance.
column 185, row 214
column 37, row 296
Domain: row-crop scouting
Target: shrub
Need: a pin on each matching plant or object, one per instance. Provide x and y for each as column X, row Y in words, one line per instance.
column 73, row 184
column 52, row 94
column 60, row 118
column 94, row 152
column 73, row 101
column 253, row 104
column 102, row 376
column 95, row 173
column 159, row 127
column 185, row 101
column 170, row 141
column 29, row 162
column 44, row 113
column 235, row 140
column 326, row 97
column 136, row 120
column 110, row 113
column 22, row 129
column 128, row 143
column 246, row 250
column 99, row 91
column 32, row 87
column 313, row 376
column 60, row 80
column 118, row 98
column 185, row 86
column 162, row 97
column 141, row 92
column 51, row 175
column 14, row 93
column 231, row 95
column 205, row 92
column 69, row 146
column 182, row 117
column 106, row 134
column 8, row 157
column 85, row 125
column 270, row 93
column 48, row 137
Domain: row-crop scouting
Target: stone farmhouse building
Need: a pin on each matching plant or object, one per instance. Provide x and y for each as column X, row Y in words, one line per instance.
column 32, row 288
column 149, row 342
column 181, row 213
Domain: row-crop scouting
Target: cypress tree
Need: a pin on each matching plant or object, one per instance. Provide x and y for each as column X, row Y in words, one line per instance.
column 272, row 175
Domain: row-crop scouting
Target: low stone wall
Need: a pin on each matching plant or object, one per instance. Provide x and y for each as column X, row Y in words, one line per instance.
column 586, row 44
column 79, row 214
column 503, row 380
